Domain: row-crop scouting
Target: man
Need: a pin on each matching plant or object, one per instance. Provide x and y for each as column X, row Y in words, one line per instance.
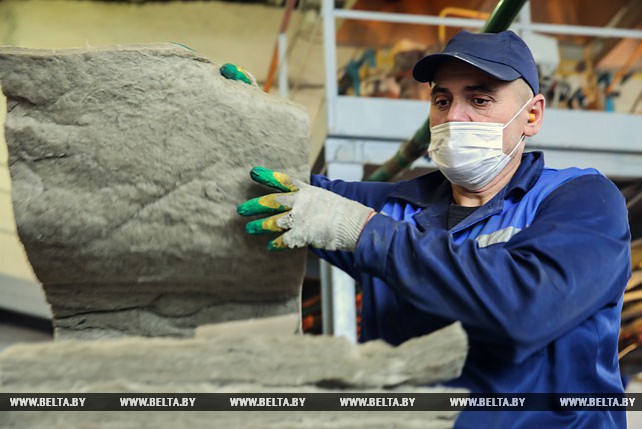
column 533, row 261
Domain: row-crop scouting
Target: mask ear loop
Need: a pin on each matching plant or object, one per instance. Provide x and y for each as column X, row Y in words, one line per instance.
column 523, row 137
column 512, row 152
column 518, row 112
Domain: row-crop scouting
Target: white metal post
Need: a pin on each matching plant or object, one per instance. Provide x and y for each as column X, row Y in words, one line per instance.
column 338, row 307
column 283, row 66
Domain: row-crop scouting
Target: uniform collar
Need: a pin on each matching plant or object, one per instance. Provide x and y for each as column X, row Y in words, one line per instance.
column 433, row 188
column 526, row 175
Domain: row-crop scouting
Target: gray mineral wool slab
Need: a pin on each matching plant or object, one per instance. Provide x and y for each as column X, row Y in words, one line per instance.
column 127, row 165
column 235, row 361
column 230, row 420
column 243, row 358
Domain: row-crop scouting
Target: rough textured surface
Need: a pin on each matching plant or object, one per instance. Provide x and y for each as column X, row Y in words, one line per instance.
column 237, row 360
column 231, row 419
column 219, row 359
column 127, row 165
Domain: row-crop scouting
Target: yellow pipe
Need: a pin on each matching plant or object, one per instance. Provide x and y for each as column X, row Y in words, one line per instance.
column 458, row 11
column 620, row 74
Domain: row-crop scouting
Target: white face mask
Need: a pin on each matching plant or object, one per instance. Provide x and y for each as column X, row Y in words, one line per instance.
column 470, row 154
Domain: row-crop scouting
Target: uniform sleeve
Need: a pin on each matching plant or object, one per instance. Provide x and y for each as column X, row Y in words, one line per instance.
column 371, row 194
column 573, row 260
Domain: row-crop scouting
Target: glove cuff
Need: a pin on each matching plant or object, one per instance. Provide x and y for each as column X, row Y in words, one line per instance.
column 352, row 225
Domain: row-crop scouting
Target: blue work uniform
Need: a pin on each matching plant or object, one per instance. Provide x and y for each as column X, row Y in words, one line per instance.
column 536, row 276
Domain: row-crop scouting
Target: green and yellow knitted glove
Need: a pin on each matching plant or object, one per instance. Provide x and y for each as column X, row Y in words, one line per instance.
column 306, row 214
column 233, row 72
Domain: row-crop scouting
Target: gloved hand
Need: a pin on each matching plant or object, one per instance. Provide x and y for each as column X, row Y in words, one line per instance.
column 233, row 72
column 309, row 215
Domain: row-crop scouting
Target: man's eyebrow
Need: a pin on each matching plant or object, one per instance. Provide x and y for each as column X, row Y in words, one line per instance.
column 481, row 88
column 439, row 89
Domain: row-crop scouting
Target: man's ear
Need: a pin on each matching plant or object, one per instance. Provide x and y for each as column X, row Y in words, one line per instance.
column 535, row 116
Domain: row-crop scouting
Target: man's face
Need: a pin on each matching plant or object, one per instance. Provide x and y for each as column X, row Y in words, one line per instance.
column 463, row 93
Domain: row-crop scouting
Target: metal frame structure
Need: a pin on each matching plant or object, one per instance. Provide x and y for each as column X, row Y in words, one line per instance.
column 369, row 130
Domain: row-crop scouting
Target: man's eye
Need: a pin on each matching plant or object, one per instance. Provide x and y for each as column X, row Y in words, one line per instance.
column 480, row 101
column 441, row 102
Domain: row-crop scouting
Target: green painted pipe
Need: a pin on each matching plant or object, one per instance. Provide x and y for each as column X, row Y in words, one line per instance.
column 503, row 15
column 410, row 150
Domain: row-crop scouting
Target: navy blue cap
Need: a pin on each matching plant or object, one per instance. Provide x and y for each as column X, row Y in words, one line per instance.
column 503, row 55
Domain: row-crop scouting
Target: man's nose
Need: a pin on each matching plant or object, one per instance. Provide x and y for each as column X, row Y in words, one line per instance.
column 457, row 112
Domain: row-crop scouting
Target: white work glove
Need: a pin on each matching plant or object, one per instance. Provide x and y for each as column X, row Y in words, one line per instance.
column 309, row 215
